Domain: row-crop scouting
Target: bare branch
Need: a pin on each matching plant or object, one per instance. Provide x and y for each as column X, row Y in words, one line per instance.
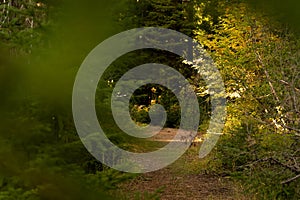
column 292, row 129
column 292, row 168
column 267, row 76
column 290, row 179
column 289, row 85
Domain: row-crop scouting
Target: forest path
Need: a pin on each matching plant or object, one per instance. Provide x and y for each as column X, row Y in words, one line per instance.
column 185, row 179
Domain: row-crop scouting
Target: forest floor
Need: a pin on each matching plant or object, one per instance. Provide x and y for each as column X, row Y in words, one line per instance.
column 184, row 179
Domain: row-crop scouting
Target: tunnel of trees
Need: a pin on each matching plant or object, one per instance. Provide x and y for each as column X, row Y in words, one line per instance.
column 43, row 43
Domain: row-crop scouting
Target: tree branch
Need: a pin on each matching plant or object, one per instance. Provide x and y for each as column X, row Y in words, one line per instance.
column 289, row 85
column 290, row 179
column 268, row 76
column 292, row 168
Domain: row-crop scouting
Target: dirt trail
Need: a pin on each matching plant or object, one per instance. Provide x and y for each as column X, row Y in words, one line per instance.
column 183, row 179
column 183, row 186
column 167, row 135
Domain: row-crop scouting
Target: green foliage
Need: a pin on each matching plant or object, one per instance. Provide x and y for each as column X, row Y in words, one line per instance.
column 143, row 195
column 256, row 56
column 41, row 154
column 21, row 21
column 108, row 179
column 140, row 114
